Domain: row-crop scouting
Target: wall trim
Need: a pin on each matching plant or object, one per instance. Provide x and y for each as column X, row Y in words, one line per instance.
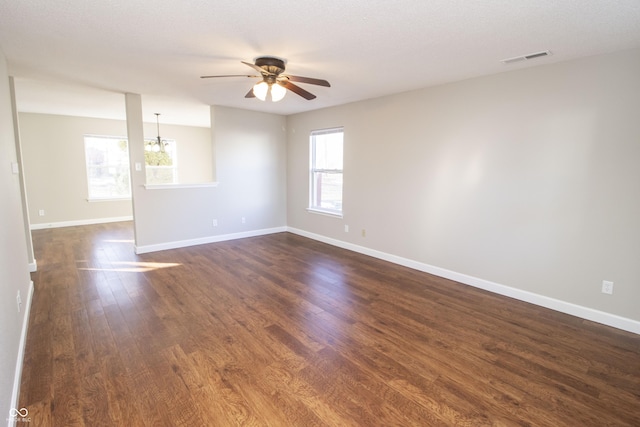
column 582, row 312
column 179, row 186
column 33, row 266
column 209, row 239
column 22, row 345
column 80, row 222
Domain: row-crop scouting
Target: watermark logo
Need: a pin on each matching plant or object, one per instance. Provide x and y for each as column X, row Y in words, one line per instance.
column 19, row 415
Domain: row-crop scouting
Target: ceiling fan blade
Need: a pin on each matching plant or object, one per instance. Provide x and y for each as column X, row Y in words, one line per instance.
column 228, row 75
column 258, row 69
column 309, row 80
column 250, row 94
column 297, row 89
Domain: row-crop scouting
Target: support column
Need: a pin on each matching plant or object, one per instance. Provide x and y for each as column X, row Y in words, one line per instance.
column 23, row 187
column 135, row 134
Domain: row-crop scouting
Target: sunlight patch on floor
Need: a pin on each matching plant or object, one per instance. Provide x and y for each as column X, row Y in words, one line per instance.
column 133, row 266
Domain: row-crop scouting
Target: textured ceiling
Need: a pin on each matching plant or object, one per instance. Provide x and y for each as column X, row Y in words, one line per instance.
column 79, row 56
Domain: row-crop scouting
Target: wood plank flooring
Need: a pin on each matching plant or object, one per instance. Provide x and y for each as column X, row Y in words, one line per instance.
column 280, row 330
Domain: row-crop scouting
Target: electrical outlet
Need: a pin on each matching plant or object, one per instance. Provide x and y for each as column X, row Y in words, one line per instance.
column 346, row 228
column 364, row 233
column 244, row 220
column 41, row 212
column 19, row 301
column 215, row 222
column 607, row 287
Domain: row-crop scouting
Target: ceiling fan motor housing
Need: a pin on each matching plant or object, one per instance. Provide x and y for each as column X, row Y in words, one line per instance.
column 270, row 64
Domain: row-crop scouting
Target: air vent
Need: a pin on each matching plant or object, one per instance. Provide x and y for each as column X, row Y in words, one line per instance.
column 526, row 57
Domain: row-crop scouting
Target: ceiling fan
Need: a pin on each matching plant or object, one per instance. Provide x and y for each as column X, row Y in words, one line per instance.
column 274, row 81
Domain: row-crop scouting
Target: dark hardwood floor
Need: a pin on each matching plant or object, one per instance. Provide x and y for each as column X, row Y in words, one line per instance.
column 280, row 330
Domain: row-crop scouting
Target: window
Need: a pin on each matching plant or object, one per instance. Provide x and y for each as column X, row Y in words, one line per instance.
column 107, row 160
column 326, row 171
column 160, row 161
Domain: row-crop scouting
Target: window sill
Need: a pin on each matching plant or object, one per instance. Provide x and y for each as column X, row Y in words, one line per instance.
column 113, row 199
column 177, row 186
column 327, row 213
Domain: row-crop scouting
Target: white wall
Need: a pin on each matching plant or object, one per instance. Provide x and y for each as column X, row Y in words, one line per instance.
column 528, row 179
column 250, row 150
column 53, row 152
column 14, row 272
column 54, row 162
column 250, row 155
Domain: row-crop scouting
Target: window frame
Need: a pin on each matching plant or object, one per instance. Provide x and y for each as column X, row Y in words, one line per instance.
column 112, row 197
column 174, row 160
column 313, row 170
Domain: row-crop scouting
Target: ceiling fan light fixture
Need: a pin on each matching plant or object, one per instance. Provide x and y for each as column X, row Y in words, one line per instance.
column 260, row 90
column 263, row 89
column 277, row 92
column 275, row 83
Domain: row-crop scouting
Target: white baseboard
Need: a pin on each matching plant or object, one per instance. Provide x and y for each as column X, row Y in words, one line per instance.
column 33, row 266
column 209, row 239
column 587, row 313
column 80, row 222
column 23, row 343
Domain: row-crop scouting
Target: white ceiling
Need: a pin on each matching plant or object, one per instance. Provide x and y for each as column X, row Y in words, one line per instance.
column 79, row 56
